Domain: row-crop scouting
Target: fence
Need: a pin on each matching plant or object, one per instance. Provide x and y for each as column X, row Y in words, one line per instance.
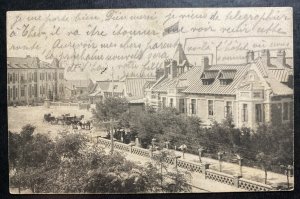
column 221, row 177
column 79, row 105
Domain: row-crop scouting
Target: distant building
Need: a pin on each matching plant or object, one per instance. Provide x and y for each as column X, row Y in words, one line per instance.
column 78, row 89
column 31, row 80
column 132, row 88
column 259, row 91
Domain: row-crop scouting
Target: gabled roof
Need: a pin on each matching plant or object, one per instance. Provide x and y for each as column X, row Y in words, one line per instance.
column 281, row 75
column 29, row 63
column 227, row 74
column 135, row 85
column 196, row 85
column 180, row 81
column 179, row 55
column 209, row 74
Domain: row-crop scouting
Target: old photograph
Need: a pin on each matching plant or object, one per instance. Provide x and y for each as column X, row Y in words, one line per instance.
column 161, row 100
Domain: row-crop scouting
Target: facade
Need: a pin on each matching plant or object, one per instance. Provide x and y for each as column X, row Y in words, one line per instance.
column 31, row 80
column 258, row 91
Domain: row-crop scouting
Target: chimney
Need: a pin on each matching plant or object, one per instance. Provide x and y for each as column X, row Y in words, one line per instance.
column 250, row 56
column 167, row 67
column 265, row 56
column 205, row 62
column 55, row 63
column 281, row 57
column 159, row 73
column 174, row 69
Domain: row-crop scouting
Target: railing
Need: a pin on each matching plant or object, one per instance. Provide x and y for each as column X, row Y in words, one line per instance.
column 253, row 186
column 189, row 166
column 221, row 177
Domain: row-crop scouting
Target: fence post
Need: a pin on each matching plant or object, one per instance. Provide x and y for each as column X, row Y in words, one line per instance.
column 131, row 145
column 236, row 179
column 204, row 166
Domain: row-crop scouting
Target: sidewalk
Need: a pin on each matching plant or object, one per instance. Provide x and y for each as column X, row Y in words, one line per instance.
column 201, row 184
column 250, row 173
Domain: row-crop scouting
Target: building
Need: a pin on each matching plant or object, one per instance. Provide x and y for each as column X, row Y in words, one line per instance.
column 31, row 80
column 78, row 89
column 258, row 91
column 132, row 88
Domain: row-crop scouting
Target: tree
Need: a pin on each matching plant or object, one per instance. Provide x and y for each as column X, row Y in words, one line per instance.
column 72, row 165
column 265, row 162
column 110, row 108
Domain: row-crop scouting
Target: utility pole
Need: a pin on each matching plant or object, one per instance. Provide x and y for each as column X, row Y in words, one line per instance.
column 111, row 119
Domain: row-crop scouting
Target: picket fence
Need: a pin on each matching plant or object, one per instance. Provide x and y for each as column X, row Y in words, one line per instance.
column 221, row 177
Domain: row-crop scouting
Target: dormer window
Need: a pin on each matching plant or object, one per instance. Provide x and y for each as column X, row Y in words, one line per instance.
column 226, row 77
column 209, row 76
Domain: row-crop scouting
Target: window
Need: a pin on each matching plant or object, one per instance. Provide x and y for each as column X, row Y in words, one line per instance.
column 8, row 92
column 171, row 102
column 210, row 107
column 207, row 81
column 258, row 112
column 14, row 92
column 193, row 106
column 35, row 76
column 285, row 111
column 256, row 94
column 181, row 106
column 245, row 113
column 225, row 82
column 228, row 109
column 163, row 102
column 22, row 91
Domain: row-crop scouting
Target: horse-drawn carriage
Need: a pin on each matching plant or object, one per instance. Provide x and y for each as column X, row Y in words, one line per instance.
column 67, row 119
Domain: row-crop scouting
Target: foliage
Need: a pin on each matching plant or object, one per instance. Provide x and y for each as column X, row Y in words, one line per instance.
column 110, row 108
column 70, row 164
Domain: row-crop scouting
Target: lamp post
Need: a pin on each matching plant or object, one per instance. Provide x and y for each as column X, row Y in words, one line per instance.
column 111, row 123
column 167, row 144
column 153, row 142
column 220, row 156
column 183, row 148
column 176, row 159
column 240, row 161
column 200, row 150
column 287, row 170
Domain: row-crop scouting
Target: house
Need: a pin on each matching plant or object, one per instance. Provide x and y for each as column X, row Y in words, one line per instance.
column 78, row 89
column 132, row 88
column 258, row 91
column 30, row 80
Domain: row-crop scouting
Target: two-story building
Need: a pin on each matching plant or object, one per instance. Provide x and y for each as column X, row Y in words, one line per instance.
column 258, row 91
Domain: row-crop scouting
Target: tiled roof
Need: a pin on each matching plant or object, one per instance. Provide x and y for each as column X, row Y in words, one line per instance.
column 27, row 62
column 277, row 87
column 181, row 81
column 77, row 83
column 281, row 75
column 117, row 87
column 209, row 74
column 196, row 85
column 135, row 85
column 227, row 74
